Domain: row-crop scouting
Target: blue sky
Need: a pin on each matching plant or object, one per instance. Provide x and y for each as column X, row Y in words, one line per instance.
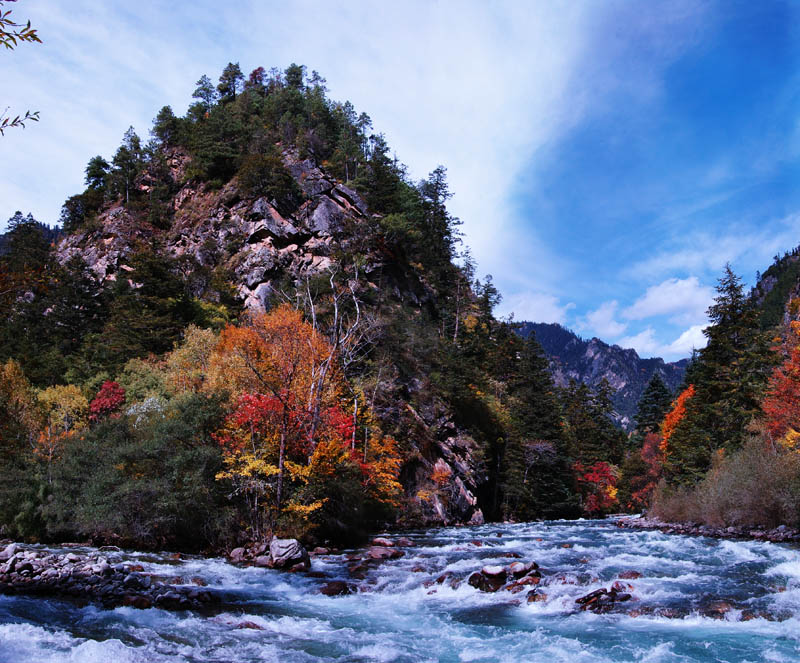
column 607, row 159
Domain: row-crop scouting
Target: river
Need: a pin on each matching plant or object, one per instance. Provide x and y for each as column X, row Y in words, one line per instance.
column 399, row 616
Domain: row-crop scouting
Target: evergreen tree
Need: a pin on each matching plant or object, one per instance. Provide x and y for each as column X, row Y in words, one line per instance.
column 230, row 82
column 730, row 376
column 653, row 405
column 205, row 92
column 536, row 479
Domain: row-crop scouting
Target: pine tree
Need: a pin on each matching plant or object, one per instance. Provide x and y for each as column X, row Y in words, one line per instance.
column 653, row 405
column 730, row 377
column 536, row 479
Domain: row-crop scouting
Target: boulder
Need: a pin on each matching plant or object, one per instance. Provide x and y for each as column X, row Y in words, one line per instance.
column 383, row 542
column 630, row 575
column 236, row 555
column 337, row 588
column 380, row 552
column 286, row 553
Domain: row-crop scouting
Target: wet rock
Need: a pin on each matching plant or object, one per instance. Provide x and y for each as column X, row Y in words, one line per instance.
column 263, row 561
column 404, row 542
column 286, row 553
column 383, row 542
column 535, row 596
column 519, row 569
column 717, row 608
column 249, row 625
column 320, row 551
column 379, row 552
column 630, row 575
column 488, row 579
column 237, row 555
column 337, row 588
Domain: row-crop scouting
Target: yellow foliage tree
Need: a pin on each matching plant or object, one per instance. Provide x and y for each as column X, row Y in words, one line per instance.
column 65, row 410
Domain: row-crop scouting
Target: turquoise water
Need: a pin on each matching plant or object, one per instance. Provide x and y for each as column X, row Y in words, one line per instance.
column 396, row 617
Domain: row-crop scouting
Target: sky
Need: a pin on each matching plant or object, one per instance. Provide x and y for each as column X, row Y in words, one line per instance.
column 607, row 158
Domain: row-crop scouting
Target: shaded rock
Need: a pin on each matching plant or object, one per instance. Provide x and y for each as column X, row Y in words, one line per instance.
column 237, row 555
column 630, row 575
column 404, row 541
column 263, row 561
column 337, row 588
column 535, row 596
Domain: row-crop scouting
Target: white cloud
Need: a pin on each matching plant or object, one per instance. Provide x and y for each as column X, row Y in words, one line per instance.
column 703, row 252
column 602, row 322
column 685, row 300
column 535, row 307
column 691, row 339
column 647, row 345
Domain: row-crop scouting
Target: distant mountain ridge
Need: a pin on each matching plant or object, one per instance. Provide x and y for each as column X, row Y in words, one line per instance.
column 589, row 361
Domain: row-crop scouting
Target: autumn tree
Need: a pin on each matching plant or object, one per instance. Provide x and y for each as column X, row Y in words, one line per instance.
column 108, row 400
column 781, row 405
column 288, row 426
column 65, row 411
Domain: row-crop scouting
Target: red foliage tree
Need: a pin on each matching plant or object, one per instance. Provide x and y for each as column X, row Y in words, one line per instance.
column 781, row 406
column 598, row 484
column 653, row 458
column 109, row 400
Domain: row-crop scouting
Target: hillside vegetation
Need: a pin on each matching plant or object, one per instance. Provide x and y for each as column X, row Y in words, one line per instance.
column 256, row 323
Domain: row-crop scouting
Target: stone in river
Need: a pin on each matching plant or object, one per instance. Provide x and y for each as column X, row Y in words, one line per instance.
column 383, row 542
column 286, row 553
column 381, row 552
column 337, row 588
column 630, row 575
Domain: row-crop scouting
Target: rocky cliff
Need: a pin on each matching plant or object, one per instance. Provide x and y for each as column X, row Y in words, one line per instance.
column 574, row 358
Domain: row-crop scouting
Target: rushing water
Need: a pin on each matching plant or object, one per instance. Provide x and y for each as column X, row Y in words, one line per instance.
column 396, row 617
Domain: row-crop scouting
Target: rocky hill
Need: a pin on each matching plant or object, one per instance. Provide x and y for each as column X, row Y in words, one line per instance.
column 574, row 358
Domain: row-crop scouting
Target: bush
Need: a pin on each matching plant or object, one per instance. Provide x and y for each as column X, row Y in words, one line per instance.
column 757, row 486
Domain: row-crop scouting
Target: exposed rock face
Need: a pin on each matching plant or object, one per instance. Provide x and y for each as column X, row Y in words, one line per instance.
column 573, row 358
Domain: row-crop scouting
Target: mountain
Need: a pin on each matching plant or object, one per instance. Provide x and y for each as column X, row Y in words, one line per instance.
column 574, row 358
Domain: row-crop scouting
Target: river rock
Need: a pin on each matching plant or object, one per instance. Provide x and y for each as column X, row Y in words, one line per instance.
column 380, row 552
column 337, row 588
column 286, row 553
column 8, row 552
column 383, row 542
column 630, row 575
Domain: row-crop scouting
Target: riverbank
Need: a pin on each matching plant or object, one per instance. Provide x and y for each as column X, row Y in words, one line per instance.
column 782, row 534
column 96, row 576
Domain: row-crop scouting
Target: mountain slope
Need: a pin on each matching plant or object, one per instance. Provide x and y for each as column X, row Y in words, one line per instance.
column 573, row 358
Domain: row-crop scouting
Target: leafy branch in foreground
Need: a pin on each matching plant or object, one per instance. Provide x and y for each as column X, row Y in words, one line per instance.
column 7, row 122
column 11, row 34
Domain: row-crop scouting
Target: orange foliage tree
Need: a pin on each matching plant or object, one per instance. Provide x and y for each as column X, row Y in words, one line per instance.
column 781, row 405
column 675, row 416
column 288, row 428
